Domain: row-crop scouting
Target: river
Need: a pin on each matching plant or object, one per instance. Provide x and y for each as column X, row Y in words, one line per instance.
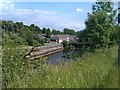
column 56, row 57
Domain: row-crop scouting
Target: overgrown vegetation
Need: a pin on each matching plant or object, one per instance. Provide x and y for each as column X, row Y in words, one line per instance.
column 65, row 46
column 98, row 69
column 90, row 71
column 15, row 34
column 93, row 70
column 101, row 27
column 19, row 72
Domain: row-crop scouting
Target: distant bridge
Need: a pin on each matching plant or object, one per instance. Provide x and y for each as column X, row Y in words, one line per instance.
column 78, row 45
column 42, row 51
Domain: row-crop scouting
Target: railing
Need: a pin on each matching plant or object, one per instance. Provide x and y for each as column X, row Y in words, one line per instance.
column 42, row 51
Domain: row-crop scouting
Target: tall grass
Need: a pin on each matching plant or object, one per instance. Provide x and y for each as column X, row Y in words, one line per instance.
column 93, row 70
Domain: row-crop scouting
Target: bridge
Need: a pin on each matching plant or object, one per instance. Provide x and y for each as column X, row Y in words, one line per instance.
column 42, row 51
column 79, row 45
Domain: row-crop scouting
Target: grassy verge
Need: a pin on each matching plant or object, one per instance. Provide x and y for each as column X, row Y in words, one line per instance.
column 90, row 71
column 93, row 70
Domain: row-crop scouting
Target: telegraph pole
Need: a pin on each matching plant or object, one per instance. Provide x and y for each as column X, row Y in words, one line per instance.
column 119, row 32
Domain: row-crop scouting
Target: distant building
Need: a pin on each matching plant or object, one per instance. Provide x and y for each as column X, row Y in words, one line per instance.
column 61, row 38
column 42, row 36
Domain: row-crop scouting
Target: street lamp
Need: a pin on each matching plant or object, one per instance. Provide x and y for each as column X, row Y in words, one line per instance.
column 119, row 32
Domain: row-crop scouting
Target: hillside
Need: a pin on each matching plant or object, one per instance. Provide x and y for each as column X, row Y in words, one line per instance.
column 15, row 34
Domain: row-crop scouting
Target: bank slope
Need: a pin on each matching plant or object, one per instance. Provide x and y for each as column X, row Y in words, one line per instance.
column 93, row 70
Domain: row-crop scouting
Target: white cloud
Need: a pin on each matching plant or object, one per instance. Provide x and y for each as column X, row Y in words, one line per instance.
column 79, row 10
column 7, row 5
column 42, row 18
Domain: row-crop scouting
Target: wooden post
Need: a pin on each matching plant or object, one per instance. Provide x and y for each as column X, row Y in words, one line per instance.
column 119, row 32
column 119, row 47
column 119, row 44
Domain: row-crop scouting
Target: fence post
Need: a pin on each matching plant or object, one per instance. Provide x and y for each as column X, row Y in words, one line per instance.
column 119, row 32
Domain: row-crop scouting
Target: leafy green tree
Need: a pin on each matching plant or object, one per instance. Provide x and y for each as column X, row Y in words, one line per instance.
column 48, row 33
column 7, row 26
column 100, row 25
column 35, row 29
column 16, row 27
column 28, row 35
column 69, row 31
column 20, row 34
column 38, row 29
column 44, row 31
column 65, row 46
column 55, row 32
column 20, row 25
column 32, row 26
column 10, row 25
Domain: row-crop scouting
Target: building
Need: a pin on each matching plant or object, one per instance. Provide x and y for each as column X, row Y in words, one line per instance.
column 42, row 36
column 61, row 38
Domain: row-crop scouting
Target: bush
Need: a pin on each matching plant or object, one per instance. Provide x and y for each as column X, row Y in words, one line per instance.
column 19, row 72
column 14, row 67
column 65, row 46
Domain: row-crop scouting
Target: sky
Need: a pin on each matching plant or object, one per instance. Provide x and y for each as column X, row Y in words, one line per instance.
column 53, row 15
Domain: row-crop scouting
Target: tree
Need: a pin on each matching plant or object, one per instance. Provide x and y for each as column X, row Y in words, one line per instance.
column 27, row 35
column 35, row 29
column 55, row 32
column 48, row 33
column 20, row 34
column 16, row 27
column 100, row 25
column 69, row 31
column 38, row 29
column 7, row 26
column 44, row 30
column 20, row 25
column 65, row 46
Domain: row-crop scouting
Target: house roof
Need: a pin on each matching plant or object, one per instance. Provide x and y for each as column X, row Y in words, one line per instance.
column 64, row 36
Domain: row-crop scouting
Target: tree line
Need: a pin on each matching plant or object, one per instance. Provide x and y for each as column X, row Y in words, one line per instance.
column 101, row 29
column 18, row 33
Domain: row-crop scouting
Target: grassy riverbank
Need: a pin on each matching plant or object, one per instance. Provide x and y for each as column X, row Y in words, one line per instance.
column 90, row 71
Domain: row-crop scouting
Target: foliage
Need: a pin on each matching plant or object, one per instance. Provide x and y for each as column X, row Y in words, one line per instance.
column 55, row 32
column 48, row 33
column 32, row 27
column 47, row 40
column 93, row 70
column 100, row 26
column 69, row 31
column 44, row 30
column 18, row 72
column 19, row 34
column 65, row 46
column 13, row 67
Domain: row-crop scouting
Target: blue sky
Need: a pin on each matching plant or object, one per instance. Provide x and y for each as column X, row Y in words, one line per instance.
column 53, row 15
